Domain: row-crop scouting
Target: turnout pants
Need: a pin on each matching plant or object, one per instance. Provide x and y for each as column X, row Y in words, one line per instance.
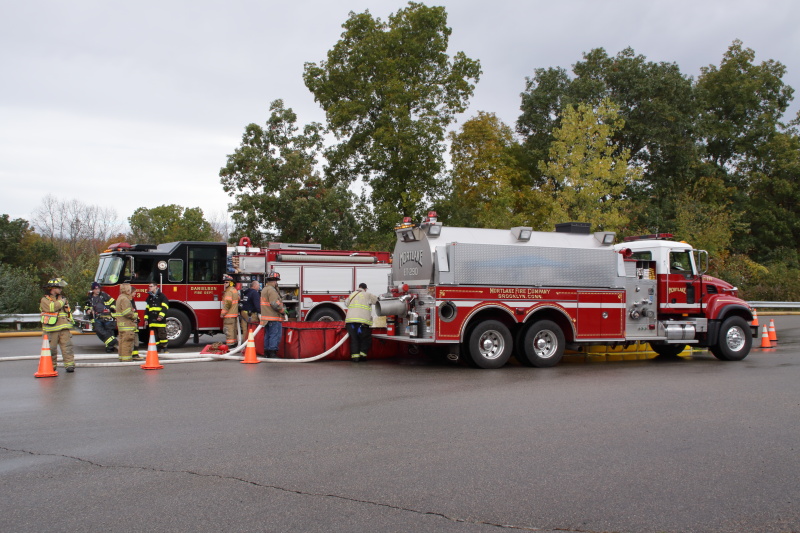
column 62, row 338
column 105, row 331
column 127, row 343
column 360, row 338
column 229, row 327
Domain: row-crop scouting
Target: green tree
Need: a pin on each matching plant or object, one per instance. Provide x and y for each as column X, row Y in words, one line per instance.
column 773, row 211
column 21, row 246
column 279, row 193
column 752, row 151
column 169, row 223
column 657, row 103
column 389, row 91
column 586, row 172
column 19, row 289
column 743, row 107
column 703, row 220
column 488, row 187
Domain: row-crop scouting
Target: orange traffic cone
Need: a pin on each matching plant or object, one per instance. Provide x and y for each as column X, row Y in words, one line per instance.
column 773, row 335
column 755, row 318
column 765, row 342
column 250, row 350
column 46, row 369
column 151, row 362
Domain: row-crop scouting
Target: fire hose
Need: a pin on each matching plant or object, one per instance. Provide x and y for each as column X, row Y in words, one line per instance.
column 192, row 357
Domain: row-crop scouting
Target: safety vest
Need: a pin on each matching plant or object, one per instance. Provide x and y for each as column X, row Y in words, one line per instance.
column 56, row 314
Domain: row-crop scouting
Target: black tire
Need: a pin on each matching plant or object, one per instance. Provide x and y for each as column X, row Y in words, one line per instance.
column 543, row 344
column 490, row 344
column 324, row 314
column 519, row 351
column 178, row 328
column 734, row 340
column 668, row 350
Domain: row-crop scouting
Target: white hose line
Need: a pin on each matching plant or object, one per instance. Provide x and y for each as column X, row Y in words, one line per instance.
column 140, row 363
column 230, row 357
column 307, row 359
column 191, row 357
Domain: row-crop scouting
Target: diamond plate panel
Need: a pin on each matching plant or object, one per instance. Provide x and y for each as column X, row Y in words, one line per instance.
column 481, row 264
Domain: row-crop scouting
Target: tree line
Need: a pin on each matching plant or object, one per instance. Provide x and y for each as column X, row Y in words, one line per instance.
column 64, row 237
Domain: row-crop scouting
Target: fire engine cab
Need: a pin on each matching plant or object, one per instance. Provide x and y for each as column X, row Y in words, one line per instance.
column 190, row 275
column 486, row 294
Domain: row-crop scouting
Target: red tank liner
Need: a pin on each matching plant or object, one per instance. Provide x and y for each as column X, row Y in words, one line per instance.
column 307, row 339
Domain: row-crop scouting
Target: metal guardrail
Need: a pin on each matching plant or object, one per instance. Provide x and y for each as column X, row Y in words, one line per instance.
column 776, row 305
column 20, row 319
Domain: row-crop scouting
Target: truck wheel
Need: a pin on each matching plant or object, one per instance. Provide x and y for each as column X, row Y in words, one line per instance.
column 668, row 350
column 543, row 344
column 324, row 314
column 734, row 341
column 490, row 344
column 178, row 328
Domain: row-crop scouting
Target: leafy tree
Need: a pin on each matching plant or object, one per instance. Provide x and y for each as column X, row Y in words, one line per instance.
column 748, row 147
column 586, row 172
column 703, row 220
column 168, row 223
column 389, row 91
column 773, row 211
column 21, row 247
column 279, row 194
column 489, row 188
column 743, row 105
column 19, row 289
column 655, row 100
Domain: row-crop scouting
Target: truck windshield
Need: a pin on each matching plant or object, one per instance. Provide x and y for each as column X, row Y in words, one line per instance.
column 109, row 270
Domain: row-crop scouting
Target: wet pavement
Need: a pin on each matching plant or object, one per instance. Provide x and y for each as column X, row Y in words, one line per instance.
column 688, row 444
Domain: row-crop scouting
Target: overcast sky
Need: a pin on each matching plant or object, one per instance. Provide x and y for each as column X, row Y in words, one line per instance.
column 138, row 104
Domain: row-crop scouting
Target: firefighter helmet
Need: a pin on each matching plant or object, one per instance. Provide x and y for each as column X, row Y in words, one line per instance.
column 227, row 278
column 55, row 282
column 273, row 276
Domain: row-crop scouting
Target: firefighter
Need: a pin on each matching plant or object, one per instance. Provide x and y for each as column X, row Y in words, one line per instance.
column 99, row 307
column 127, row 324
column 359, row 322
column 57, row 321
column 251, row 305
column 155, row 315
column 272, row 314
column 230, row 311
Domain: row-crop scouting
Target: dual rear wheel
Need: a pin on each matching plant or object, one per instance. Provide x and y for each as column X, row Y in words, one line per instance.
column 541, row 344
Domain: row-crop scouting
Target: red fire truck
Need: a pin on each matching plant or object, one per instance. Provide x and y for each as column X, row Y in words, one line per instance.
column 190, row 275
column 487, row 294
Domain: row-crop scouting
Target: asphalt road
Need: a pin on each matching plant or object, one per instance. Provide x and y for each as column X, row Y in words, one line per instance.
column 692, row 444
